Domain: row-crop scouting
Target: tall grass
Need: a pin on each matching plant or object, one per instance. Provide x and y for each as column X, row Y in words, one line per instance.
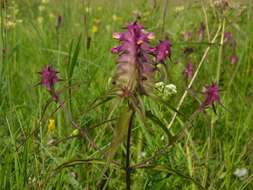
column 208, row 151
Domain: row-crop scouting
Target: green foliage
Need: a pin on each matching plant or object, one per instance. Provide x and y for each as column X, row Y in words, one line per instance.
column 209, row 148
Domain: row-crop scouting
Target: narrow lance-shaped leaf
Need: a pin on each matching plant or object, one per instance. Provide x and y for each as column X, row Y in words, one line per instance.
column 157, row 121
column 74, row 58
column 118, row 136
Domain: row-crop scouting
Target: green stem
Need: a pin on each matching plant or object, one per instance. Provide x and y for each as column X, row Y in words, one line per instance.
column 220, row 52
column 128, row 168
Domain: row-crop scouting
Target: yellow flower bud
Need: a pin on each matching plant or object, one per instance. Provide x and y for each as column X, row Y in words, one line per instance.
column 51, row 126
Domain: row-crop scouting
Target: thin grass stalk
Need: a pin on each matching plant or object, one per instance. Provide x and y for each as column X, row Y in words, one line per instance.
column 213, row 116
column 164, row 16
column 3, row 10
column 193, row 78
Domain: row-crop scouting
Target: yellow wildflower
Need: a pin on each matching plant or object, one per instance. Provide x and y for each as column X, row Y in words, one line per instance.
column 94, row 29
column 75, row 132
column 115, row 17
column 51, row 126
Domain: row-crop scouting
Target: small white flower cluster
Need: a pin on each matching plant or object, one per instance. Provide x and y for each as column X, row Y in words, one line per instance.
column 241, row 173
column 166, row 89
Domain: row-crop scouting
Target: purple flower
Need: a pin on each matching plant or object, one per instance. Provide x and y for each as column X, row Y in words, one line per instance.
column 48, row 79
column 135, row 64
column 233, row 59
column 211, row 96
column 162, row 51
column 188, row 72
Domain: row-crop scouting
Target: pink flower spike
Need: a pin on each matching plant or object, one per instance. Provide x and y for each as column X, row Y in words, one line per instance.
column 151, row 36
column 233, row 59
column 162, row 51
column 116, row 49
column 188, row 72
column 49, row 77
column 117, row 35
column 211, row 96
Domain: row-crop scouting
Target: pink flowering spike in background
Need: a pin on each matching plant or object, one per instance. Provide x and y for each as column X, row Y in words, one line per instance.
column 162, row 51
column 211, row 96
column 233, row 59
column 48, row 79
column 188, row 72
column 136, row 67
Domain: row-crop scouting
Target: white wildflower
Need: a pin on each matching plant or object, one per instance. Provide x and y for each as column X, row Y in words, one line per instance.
column 170, row 89
column 241, row 173
column 159, row 84
column 143, row 154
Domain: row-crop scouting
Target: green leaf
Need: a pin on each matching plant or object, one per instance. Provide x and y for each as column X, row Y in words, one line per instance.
column 166, row 169
column 73, row 58
column 118, row 137
column 163, row 102
column 157, row 121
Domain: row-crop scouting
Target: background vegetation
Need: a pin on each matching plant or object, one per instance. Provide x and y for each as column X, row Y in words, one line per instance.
column 35, row 33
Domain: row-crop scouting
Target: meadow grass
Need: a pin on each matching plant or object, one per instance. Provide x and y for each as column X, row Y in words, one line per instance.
column 75, row 37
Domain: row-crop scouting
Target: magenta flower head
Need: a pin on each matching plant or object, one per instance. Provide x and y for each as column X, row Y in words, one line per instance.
column 162, row 51
column 188, row 71
column 48, row 79
column 211, row 96
column 136, row 67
